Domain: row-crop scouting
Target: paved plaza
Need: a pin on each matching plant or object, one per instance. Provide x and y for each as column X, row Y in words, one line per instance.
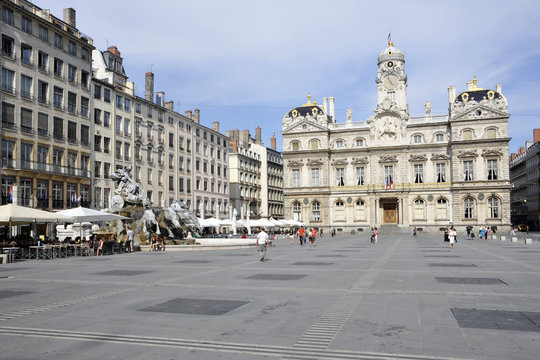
column 402, row 298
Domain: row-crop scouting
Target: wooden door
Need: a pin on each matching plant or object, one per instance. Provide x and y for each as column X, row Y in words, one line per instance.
column 390, row 213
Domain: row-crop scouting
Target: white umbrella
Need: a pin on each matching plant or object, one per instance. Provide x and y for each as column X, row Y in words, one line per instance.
column 211, row 222
column 12, row 214
column 225, row 222
column 262, row 223
column 81, row 214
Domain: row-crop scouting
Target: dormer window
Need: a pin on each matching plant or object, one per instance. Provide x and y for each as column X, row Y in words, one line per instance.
column 417, row 139
column 467, row 134
column 359, row 142
column 340, row 144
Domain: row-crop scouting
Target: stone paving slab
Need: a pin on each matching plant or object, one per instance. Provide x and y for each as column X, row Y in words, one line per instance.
column 348, row 299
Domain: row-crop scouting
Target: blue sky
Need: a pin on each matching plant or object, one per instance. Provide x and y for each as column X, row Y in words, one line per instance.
column 247, row 63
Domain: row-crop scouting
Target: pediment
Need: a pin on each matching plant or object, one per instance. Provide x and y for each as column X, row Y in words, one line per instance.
column 303, row 127
column 480, row 112
column 295, row 163
column 360, row 161
column 492, row 152
column 467, row 154
column 340, row 162
column 315, row 162
column 421, row 157
column 388, row 159
column 439, row 157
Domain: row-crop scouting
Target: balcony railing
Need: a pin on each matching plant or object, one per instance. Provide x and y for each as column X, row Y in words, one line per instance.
column 8, row 89
column 8, row 125
column 44, row 168
column 43, row 100
column 9, row 54
column 43, row 68
column 43, row 132
column 27, row 129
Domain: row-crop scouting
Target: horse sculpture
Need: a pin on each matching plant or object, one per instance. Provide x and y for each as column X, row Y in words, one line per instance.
column 149, row 220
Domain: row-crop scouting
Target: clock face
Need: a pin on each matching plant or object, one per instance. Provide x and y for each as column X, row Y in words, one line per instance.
column 391, row 82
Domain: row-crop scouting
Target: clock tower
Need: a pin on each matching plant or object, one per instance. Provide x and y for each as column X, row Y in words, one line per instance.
column 391, row 79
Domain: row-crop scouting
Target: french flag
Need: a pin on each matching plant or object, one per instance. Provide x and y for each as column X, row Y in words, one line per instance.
column 388, row 183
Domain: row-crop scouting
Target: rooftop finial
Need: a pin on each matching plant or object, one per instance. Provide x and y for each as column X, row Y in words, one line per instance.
column 390, row 43
column 308, row 100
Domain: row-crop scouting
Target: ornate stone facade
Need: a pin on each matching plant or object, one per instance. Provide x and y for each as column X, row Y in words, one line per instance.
column 391, row 168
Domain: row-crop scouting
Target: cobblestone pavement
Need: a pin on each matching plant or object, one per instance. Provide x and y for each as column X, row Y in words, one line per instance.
column 345, row 298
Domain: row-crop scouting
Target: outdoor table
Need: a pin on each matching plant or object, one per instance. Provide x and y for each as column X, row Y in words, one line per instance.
column 55, row 251
column 35, row 252
column 74, row 249
column 47, row 252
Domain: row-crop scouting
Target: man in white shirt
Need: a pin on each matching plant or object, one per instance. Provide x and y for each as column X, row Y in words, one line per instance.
column 262, row 239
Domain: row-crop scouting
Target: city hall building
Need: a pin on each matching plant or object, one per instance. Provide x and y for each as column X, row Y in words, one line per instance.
column 392, row 168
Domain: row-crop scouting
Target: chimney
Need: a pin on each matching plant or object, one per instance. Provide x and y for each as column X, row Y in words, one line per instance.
column 114, row 50
column 499, row 88
column 149, row 86
column 244, row 138
column 273, row 141
column 70, row 17
column 536, row 135
column 331, row 108
column 258, row 138
column 215, row 126
column 324, row 105
column 513, row 156
column 197, row 116
column 169, row 105
column 160, row 98
column 528, row 144
column 521, row 150
column 451, row 94
column 188, row 114
column 470, row 85
column 235, row 146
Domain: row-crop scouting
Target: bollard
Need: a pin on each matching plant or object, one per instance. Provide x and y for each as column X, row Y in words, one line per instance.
column 503, row 238
column 3, row 258
column 514, row 239
column 494, row 237
column 528, row 241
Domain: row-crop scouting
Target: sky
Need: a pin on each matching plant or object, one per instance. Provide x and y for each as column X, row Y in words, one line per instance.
column 247, row 63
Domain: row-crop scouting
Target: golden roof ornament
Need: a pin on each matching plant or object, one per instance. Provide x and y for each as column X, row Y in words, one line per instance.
column 474, row 87
column 309, row 100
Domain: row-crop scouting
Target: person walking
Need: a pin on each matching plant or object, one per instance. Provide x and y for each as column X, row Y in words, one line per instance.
column 262, row 240
column 100, row 247
column 129, row 241
column 314, row 235
column 291, row 236
column 414, row 232
column 301, row 232
column 452, row 236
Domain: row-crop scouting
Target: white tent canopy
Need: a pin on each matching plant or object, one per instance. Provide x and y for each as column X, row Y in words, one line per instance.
column 81, row 214
column 12, row 214
column 211, row 222
column 261, row 223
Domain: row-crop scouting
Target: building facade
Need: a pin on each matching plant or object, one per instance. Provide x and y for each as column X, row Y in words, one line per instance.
column 392, row 168
column 171, row 155
column 525, row 178
column 255, row 176
column 45, row 99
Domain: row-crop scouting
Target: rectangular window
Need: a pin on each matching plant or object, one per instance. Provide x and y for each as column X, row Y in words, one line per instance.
column 389, row 175
column 43, row 61
column 26, row 54
column 58, row 68
column 119, row 103
column 493, row 169
column 127, row 148
column 72, row 73
column 8, row 115
column 441, row 172
column 84, row 79
column 106, row 119
column 118, row 150
column 58, row 41
column 8, row 77
column 181, row 184
column 72, row 132
column 26, row 87
column 97, row 92
column 315, row 177
column 85, row 135
column 340, row 176
column 43, row 92
column 58, row 128
column 85, row 54
column 118, row 124
column 97, row 116
column 26, row 25
column 188, row 186
column 72, row 102
column 360, row 175
column 295, row 178
column 43, row 33
column 418, row 173
column 106, row 145
column 127, row 127
column 7, row 15
column 72, row 48
column 8, row 45
column 127, row 104
column 58, row 97
column 171, row 183
column 107, row 95
column 171, row 140
column 468, row 174
column 97, row 143
column 26, row 120
column 43, row 124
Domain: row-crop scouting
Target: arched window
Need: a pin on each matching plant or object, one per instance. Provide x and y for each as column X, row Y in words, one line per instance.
column 316, row 211
column 493, row 205
column 297, row 211
column 467, row 134
column 417, row 139
column 441, row 211
column 468, row 207
column 359, row 142
column 295, row 145
column 439, row 137
column 360, row 210
column 419, row 209
column 340, row 144
column 314, row 144
column 491, row 133
column 339, row 211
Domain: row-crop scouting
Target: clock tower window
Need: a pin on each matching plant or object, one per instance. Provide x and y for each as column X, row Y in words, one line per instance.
column 391, row 95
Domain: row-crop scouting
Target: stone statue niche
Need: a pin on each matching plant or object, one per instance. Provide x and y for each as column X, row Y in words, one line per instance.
column 129, row 200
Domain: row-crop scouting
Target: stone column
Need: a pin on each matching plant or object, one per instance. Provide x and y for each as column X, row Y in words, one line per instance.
column 400, row 211
column 376, row 212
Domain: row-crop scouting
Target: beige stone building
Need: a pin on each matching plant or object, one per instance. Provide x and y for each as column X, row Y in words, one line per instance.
column 392, row 168
column 45, row 99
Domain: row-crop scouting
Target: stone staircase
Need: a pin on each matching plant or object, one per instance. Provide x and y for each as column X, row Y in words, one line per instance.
column 393, row 229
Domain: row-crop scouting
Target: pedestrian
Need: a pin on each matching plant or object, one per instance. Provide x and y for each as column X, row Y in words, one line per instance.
column 314, row 235
column 153, row 242
column 291, row 236
column 161, row 243
column 513, row 231
column 452, row 236
column 321, row 233
column 100, row 247
column 488, row 233
column 310, row 237
column 414, row 232
column 333, row 232
column 262, row 240
column 301, row 232
column 445, row 236
column 129, row 242
column 374, row 235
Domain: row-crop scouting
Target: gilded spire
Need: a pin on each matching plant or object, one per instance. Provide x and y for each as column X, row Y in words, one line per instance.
column 308, row 100
column 474, row 87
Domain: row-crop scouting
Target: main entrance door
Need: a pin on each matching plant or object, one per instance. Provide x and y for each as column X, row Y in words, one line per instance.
column 390, row 212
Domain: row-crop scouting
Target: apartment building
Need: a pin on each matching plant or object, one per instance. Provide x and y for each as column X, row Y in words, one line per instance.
column 46, row 146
